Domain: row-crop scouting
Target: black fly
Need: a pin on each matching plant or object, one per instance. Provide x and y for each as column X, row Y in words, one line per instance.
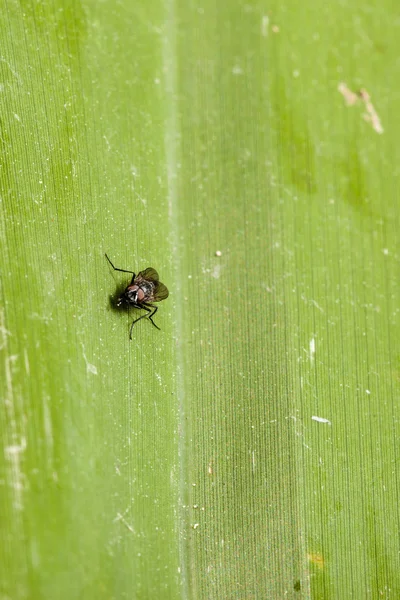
column 144, row 289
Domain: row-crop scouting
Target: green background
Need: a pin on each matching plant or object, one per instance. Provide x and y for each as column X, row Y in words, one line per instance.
column 187, row 463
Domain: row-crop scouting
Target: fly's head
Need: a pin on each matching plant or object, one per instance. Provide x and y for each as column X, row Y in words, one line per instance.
column 133, row 295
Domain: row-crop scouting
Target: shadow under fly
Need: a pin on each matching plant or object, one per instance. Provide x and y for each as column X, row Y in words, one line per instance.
column 144, row 289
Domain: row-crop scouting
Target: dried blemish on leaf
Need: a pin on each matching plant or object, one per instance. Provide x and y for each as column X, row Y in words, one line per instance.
column 371, row 116
column 316, row 559
column 351, row 98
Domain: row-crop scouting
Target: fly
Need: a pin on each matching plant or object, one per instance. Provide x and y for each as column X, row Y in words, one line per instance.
column 144, row 289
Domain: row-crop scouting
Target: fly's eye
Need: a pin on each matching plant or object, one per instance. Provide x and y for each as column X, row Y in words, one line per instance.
column 140, row 295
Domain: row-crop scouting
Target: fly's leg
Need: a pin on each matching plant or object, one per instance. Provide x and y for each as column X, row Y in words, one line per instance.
column 152, row 315
column 148, row 309
column 138, row 319
column 122, row 270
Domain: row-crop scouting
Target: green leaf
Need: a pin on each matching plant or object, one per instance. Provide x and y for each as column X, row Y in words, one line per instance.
column 249, row 449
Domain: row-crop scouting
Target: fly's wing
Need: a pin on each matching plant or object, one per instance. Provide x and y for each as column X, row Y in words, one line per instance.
column 149, row 274
column 160, row 291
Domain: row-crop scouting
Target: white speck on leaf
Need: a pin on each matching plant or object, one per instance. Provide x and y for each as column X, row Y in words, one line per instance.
column 47, row 422
column 216, row 272
column 312, row 350
column 26, row 361
column 121, row 518
column 16, row 448
column 264, row 25
column 317, row 305
column 11, row 69
column 89, row 367
column 321, row 420
column 107, row 143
